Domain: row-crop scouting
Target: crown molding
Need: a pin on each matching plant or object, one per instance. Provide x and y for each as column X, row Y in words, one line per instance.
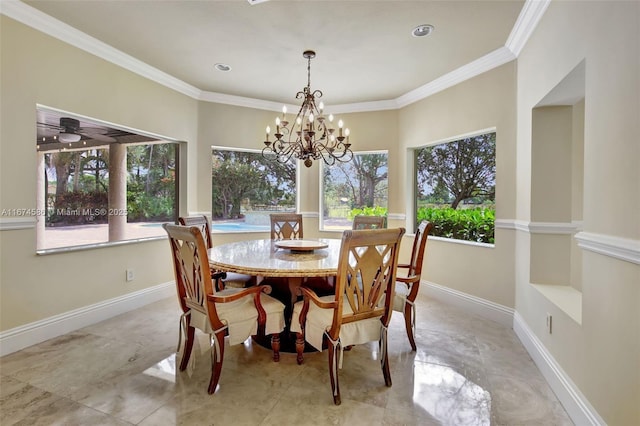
column 528, row 19
column 241, row 101
column 481, row 65
column 40, row 21
column 390, row 104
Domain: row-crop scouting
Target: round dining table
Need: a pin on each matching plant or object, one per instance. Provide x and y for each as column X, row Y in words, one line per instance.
column 290, row 259
column 278, row 258
column 291, row 262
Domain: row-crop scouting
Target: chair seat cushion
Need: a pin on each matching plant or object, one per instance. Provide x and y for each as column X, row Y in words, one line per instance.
column 237, row 280
column 275, row 314
column 241, row 316
column 319, row 320
column 402, row 291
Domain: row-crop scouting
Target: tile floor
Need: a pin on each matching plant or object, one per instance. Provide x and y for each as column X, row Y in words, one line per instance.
column 467, row 371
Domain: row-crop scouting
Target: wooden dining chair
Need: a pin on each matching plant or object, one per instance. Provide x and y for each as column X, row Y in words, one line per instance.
column 230, row 279
column 234, row 312
column 358, row 312
column 408, row 282
column 369, row 222
column 286, row 226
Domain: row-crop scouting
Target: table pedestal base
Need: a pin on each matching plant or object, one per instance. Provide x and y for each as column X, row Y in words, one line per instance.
column 287, row 291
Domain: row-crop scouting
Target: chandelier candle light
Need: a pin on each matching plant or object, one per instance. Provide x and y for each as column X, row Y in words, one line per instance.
column 311, row 135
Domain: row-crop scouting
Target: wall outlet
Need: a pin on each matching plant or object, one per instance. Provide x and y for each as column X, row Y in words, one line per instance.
column 549, row 323
column 130, row 275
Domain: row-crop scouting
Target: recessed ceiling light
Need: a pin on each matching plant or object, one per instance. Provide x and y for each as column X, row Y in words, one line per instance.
column 422, row 30
column 222, row 67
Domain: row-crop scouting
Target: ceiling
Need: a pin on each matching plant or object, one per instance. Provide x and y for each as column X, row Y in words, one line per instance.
column 365, row 50
column 51, row 123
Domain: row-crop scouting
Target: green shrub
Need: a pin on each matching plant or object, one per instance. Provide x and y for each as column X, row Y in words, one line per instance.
column 475, row 224
column 77, row 207
column 142, row 207
column 367, row 211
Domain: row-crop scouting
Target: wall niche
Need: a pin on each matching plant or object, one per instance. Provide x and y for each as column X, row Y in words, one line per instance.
column 557, row 182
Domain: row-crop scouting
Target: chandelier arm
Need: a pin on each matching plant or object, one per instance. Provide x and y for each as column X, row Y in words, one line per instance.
column 308, row 137
column 280, row 156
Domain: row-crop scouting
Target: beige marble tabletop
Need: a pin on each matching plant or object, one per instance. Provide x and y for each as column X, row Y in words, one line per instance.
column 263, row 258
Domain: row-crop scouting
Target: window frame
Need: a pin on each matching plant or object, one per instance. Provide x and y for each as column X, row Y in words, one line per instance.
column 296, row 162
column 321, row 227
column 412, row 178
column 157, row 140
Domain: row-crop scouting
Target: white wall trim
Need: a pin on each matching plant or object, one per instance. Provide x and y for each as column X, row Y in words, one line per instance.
column 473, row 304
column 529, row 16
column 515, row 224
column 241, row 101
column 481, row 65
column 40, row 21
column 528, row 19
column 396, row 216
column 11, row 223
column 573, row 401
column 314, row 215
column 539, row 227
column 553, row 228
column 620, row 248
column 519, row 225
column 36, row 332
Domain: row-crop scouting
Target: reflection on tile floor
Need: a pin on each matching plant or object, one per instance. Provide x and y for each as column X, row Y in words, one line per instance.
column 466, row 371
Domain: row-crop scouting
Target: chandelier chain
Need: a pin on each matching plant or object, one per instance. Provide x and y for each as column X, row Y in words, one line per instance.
column 311, row 136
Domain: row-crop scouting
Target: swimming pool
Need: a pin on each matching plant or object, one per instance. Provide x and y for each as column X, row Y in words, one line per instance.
column 224, row 227
column 238, row 227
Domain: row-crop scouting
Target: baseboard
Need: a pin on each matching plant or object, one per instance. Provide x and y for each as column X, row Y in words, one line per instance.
column 475, row 305
column 36, row 332
column 573, row 401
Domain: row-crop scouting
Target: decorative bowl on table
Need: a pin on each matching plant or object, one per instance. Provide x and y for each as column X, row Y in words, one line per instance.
column 301, row 245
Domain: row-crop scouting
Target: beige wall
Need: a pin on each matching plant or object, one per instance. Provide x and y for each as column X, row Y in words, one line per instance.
column 602, row 354
column 224, row 125
column 37, row 69
column 486, row 101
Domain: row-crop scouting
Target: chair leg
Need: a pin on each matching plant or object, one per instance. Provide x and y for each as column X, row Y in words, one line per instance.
column 188, row 346
column 334, row 352
column 408, row 322
column 384, row 362
column 275, row 346
column 300, row 348
column 217, row 357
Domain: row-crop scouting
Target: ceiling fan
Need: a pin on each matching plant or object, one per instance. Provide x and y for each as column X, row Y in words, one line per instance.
column 69, row 131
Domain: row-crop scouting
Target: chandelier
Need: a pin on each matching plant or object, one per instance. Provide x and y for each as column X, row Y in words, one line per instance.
column 311, row 136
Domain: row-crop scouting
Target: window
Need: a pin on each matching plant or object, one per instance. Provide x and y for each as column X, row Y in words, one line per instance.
column 100, row 184
column 455, row 187
column 356, row 187
column 246, row 188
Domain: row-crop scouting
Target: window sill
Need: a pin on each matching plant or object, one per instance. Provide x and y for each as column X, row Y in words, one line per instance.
column 566, row 298
column 69, row 249
column 464, row 242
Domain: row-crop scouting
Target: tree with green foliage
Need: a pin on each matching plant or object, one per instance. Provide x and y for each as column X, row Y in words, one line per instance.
column 466, row 168
column 238, row 175
column 364, row 177
column 151, row 184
